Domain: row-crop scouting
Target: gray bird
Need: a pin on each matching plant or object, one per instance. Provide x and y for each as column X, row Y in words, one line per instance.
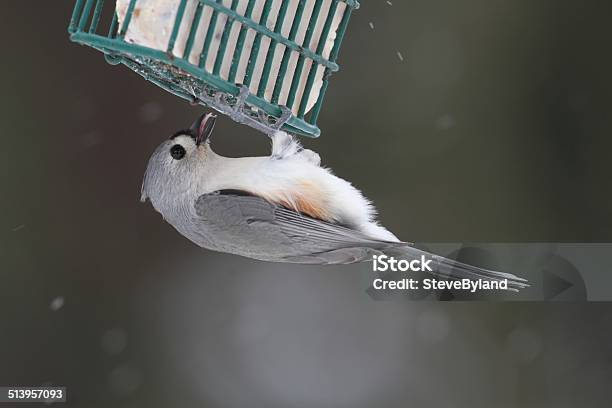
column 281, row 208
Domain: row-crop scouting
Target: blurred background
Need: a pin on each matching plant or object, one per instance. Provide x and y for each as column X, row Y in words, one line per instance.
column 479, row 120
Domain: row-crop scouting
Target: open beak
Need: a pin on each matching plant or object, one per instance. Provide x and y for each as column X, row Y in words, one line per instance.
column 203, row 127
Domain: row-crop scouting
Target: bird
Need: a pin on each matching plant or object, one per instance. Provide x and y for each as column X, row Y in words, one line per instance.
column 284, row 207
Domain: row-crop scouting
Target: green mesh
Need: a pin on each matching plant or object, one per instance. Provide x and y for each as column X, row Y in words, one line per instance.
column 195, row 84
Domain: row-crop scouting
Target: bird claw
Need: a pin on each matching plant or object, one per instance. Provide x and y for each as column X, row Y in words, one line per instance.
column 218, row 98
column 241, row 98
column 284, row 117
column 261, row 115
column 222, row 102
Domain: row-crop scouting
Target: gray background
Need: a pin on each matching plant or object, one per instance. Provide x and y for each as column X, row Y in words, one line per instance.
column 495, row 127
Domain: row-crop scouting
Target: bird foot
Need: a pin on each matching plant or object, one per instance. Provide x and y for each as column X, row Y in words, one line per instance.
column 241, row 99
column 284, row 117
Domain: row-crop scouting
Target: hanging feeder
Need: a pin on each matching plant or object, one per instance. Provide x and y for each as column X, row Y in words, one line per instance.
column 265, row 63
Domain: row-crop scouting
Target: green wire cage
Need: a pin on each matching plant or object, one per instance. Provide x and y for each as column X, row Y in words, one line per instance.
column 265, row 63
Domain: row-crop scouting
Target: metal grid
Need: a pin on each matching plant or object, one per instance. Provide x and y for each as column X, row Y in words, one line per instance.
column 199, row 86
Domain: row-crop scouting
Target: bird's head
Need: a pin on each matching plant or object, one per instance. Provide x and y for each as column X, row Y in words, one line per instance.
column 177, row 164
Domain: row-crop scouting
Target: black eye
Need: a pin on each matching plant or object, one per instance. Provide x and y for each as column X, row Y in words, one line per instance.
column 177, row 152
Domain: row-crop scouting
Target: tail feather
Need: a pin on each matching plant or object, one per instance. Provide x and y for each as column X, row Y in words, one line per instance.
column 450, row 269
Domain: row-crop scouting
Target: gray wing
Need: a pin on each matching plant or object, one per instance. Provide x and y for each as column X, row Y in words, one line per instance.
column 247, row 225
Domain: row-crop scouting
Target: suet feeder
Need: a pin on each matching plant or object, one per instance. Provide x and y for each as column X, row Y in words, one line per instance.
column 265, row 63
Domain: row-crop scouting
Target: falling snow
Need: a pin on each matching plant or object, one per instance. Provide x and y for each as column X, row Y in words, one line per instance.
column 371, row 25
column 400, row 56
column 57, row 303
